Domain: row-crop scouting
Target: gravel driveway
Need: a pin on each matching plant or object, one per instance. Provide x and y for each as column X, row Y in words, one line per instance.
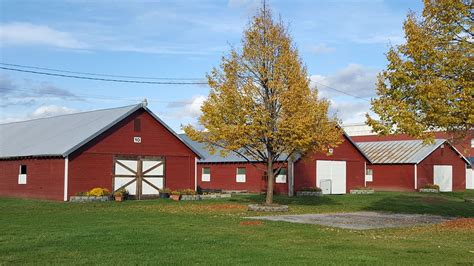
column 359, row 220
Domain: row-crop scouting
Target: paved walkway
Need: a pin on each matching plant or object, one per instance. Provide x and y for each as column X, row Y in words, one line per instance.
column 359, row 220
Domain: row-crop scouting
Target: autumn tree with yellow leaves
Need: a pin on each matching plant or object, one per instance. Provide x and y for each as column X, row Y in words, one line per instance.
column 428, row 83
column 261, row 106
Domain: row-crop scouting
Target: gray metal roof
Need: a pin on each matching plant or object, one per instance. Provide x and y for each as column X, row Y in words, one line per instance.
column 216, row 157
column 400, row 152
column 62, row 135
column 233, row 157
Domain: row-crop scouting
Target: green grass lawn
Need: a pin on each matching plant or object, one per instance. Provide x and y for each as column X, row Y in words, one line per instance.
column 212, row 232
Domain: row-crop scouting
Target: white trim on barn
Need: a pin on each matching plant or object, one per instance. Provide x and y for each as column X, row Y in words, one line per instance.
column 66, row 177
column 415, row 166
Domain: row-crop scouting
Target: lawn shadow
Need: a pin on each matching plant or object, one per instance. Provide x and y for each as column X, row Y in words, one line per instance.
column 436, row 204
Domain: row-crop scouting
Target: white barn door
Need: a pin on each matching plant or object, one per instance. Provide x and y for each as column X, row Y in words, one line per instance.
column 140, row 176
column 443, row 177
column 469, row 178
column 331, row 176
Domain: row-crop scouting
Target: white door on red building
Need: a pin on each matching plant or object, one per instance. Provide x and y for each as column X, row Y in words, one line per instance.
column 331, row 176
column 443, row 177
column 140, row 177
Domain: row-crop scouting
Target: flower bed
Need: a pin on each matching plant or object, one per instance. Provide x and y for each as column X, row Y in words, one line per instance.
column 190, row 197
column 362, row 190
column 94, row 195
column 310, row 191
column 205, row 197
column 89, row 198
column 429, row 188
column 215, row 196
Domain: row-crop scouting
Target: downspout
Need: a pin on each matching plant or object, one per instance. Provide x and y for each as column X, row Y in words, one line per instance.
column 365, row 173
column 66, row 178
column 416, row 176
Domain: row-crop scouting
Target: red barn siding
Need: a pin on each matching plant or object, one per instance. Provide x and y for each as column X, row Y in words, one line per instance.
column 392, row 177
column 45, row 179
column 223, row 177
column 305, row 168
column 443, row 156
column 92, row 165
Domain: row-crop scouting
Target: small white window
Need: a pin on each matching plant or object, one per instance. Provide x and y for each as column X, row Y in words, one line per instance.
column 240, row 176
column 472, row 143
column 369, row 175
column 22, row 174
column 206, row 174
column 281, row 176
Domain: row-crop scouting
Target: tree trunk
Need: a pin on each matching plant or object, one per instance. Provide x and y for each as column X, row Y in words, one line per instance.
column 270, row 180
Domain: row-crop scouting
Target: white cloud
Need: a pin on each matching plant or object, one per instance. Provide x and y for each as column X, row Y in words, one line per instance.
column 20, row 33
column 321, row 48
column 349, row 111
column 354, row 79
column 41, row 112
column 187, row 109
column 392, row 39
column 51, row 110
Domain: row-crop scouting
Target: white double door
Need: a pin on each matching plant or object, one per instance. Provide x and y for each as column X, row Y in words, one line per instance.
column 331, row 176
column 443, row 177
column 140, row 177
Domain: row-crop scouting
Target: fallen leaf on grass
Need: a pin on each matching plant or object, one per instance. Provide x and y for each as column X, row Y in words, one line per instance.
column 251, row 223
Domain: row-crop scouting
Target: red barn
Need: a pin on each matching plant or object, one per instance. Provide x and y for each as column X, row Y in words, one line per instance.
column 129, row 147
column 233, row 172
column 407, row 165
column 336, row 173
column 362, row 133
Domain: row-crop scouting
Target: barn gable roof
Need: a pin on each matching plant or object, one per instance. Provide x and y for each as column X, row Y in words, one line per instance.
column 402, row 151
column 64, row 134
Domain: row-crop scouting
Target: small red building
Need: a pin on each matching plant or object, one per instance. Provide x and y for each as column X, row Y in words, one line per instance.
column 233, row 172
column 407, row 165
column 127, row 147
column 336, row 172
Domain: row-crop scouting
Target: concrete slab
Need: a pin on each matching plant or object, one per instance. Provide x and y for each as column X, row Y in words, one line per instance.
column 359, row 220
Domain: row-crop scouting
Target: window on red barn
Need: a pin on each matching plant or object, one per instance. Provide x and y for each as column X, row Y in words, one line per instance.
column 137, row 125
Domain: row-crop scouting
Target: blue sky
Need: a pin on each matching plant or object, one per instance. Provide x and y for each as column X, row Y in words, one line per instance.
column 341, row 42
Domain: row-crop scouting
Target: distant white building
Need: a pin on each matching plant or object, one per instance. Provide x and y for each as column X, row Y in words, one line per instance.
column 357, row 129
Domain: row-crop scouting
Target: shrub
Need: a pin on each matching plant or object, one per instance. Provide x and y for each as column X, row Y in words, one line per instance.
column 81, row 193
column 188, row 192
column 312, row 189
column 363, row 188
column 174, row 192
column 121, row 193
column 165, row 190
column 199, row 190
column 99, row 192
column 430, row 186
